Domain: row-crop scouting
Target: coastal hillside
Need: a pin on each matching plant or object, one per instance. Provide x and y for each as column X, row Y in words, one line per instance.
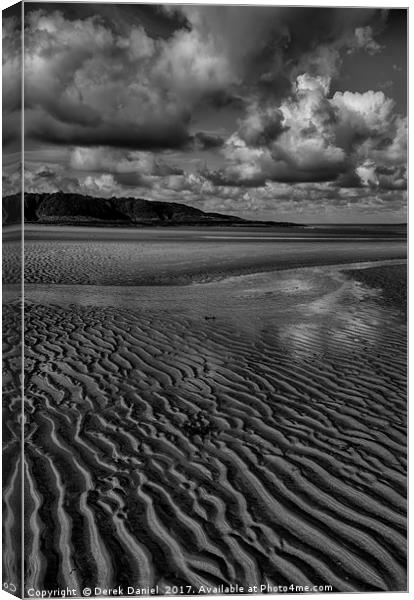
column 76, row 209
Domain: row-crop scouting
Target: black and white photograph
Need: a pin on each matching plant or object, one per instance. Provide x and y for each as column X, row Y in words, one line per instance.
column 204, row 299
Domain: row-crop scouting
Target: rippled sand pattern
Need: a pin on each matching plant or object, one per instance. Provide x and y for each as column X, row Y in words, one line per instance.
column 11, row 437
column 11, row 261
column 151, row 263
column 170, row 449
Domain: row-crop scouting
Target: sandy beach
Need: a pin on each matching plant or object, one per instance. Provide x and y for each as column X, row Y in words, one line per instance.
column 246, row 430
column 204, row 299
column 92, row 256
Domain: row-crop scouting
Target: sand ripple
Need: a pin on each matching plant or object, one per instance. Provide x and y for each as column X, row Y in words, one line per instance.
column 11, row 435
column 131, row 262
column 175, row 450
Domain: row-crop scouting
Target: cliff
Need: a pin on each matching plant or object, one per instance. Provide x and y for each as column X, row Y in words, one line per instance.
column 74, row 209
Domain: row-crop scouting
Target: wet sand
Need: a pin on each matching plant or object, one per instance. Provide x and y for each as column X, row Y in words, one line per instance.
column 250, row 429
column 11, row 410
column 146, row 257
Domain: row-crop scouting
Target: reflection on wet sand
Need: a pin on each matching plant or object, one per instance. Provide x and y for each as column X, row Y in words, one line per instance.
column 244, row 431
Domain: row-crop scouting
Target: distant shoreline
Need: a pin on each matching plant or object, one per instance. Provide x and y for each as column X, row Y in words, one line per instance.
column 310, row 227
column 161, row 224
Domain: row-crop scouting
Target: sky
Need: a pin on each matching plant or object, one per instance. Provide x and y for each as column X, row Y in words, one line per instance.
column 262, row 112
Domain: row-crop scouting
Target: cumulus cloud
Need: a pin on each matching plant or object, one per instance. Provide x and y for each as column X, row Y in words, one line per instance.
column 363, row 115
column 367, row 173
column 311, row 136
column 261, row 124
column 127, row 169
column 86, row 84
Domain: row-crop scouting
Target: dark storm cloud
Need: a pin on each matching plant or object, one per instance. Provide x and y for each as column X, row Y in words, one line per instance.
column 269, row 44
column 11, row 78
column 114, row 78
column 349, row 179
column 252, row 100
column 154, row 135
column 203, row 140
column 46, row 173
column 88, row 84
column 117, row 17
column 131, row 180
column 226, row 178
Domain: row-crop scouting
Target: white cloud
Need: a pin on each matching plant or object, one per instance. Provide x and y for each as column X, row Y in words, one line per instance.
column 367, row 173
column 310, row 136
column 368, row 114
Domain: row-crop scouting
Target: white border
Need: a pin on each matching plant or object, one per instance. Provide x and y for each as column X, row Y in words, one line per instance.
column 304, row 3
